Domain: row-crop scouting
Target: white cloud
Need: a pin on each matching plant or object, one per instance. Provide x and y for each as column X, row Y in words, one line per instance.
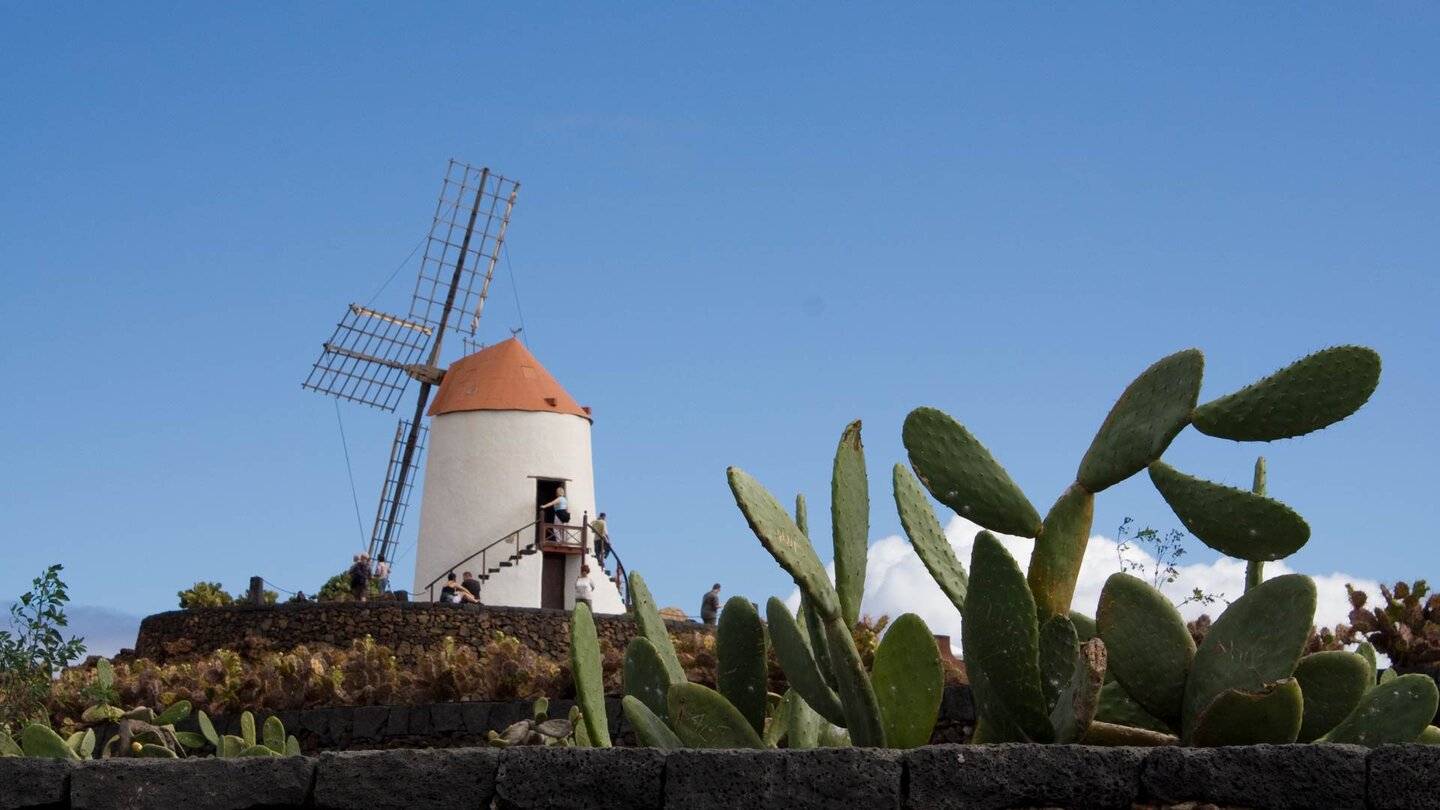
column 896, row 581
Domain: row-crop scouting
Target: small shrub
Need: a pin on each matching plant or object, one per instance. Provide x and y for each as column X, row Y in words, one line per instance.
column 34, row 648
column 1405, row 626
column 205, row 595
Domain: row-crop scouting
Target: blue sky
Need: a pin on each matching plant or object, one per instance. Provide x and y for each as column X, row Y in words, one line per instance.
column 739, row 227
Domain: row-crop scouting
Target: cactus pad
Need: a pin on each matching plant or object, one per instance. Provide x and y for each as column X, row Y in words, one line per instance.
column 1075, row 710
column 1150, row 648
column 647, row 618
column 799, row 665
column 38, row 740
column 1305, row 396
column 1430, row 736
column 852, row 682
column 908, row 682
column 1237, row 717
column 1059, row 655
column 785, row 542
column 1001, row 641
column 928, row 538
column 1333, row 683
column 702, row 718
column 646, row 678
column 650, row 731
column 1397, row 711
column 740, row 671
column 850, row 520
column 1148, row 416
column 1229, row 520
column 589, row 678
column 1257, row 640
column 961, row 473
column 1060, row 550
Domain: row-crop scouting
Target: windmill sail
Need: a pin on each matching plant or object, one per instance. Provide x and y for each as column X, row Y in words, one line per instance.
column 368, row 358
column 395, row 495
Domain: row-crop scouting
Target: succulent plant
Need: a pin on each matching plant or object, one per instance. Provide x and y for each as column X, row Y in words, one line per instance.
column 1245, row 682
column 539, row 729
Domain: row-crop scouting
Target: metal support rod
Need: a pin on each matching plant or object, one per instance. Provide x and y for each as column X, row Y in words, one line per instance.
column 424, row 397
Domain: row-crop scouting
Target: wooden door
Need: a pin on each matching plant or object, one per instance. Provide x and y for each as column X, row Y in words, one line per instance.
column 552, row 582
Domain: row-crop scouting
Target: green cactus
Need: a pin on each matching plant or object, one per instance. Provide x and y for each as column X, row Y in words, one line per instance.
column 589, row 679
column 909, row 682
column 800, row 667
column 1059, row 656
column 1430, row 736
column 703, row 718
column 1229, row 520
column 791, row 548
column 1059, row 550
column 1333, row 683
column 1247, row 666
column 1002, row 646
column 961, row 473
column 928, row 537
column 1258, row 640
column 647, row 617
column 646, row 678
column 650, row 730
column 850, row 521
column 1312, row 393
column 741, row 674
column 1270, row 714
column 1397, row 711
column 39, row 740
column 1150, row 649
column 1148, row 416
column 1255, row 569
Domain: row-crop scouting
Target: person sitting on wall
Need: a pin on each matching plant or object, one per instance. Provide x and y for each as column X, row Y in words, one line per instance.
column 454, row 593
column 471, row 584
column 584, row 587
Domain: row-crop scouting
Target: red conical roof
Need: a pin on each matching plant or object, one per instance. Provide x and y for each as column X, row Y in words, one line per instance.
column 503, row 377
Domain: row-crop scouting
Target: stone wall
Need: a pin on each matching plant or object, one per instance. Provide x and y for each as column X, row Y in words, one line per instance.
column 1393, row 777
column 409, row 628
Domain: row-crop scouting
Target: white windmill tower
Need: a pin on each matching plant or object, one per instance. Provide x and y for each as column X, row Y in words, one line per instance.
column 504, row 437
column 372, row 357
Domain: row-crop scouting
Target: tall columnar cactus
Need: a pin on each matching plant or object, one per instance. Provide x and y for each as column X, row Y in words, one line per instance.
column 1245, row 684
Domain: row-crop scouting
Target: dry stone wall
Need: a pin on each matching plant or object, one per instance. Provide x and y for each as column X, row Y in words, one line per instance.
column 409, row 628
column 1394, row 777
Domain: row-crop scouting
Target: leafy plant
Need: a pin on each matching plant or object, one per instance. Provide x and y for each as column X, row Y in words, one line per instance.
column 34, row 649
column 205, row 595
column 1166, row 549
column 335, row 589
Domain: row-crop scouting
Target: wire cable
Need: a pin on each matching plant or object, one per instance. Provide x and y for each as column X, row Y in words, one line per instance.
column 398, row 268
column 359, row 524
column 516, row 290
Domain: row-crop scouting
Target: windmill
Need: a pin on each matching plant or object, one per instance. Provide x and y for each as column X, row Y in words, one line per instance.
column 372, row 356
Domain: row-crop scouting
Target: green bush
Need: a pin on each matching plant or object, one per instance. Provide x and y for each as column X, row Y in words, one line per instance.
column 33, row 649
column 205, row 595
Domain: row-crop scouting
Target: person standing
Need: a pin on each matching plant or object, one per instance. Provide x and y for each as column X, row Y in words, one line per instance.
column 382, row 575
column 562, row 514
column 710, row 605
column 584, row 587
column 360, row 577
column 602, row 538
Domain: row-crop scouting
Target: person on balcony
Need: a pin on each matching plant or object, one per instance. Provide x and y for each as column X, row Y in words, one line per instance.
column 562, row 513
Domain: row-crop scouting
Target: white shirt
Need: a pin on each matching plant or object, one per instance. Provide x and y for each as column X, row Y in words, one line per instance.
column 583, row 587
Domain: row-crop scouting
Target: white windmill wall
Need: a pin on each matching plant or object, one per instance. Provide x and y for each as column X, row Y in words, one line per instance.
column 480, row 479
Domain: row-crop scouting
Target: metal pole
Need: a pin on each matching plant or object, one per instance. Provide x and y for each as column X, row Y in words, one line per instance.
column 424, row 398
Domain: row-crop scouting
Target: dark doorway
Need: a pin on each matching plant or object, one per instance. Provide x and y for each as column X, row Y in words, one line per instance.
column 545, row 491
column 552, row 582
